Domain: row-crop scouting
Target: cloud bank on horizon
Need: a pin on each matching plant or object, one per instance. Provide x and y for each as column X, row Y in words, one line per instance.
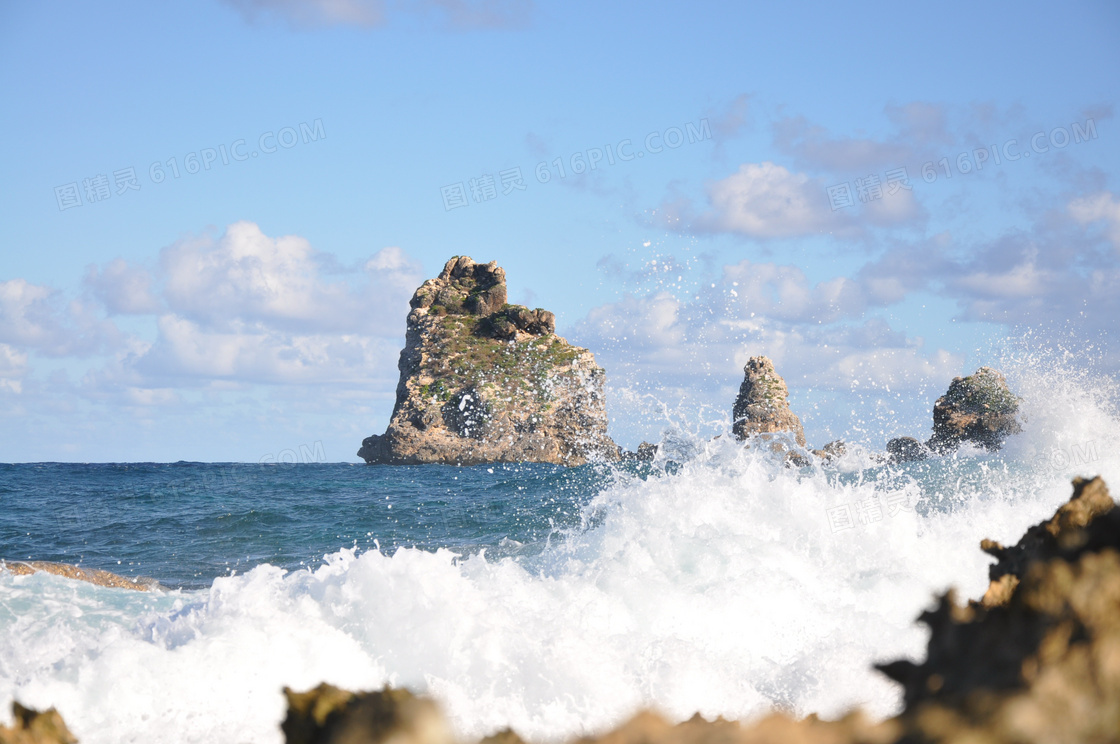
column 872, row 252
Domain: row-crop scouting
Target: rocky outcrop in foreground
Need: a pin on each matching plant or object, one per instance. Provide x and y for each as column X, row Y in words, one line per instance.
column 1036, row 661
column 32, row 727
column 485, row 381
column 762, row 406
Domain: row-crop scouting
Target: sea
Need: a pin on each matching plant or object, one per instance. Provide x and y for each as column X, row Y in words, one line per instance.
column 557, row 601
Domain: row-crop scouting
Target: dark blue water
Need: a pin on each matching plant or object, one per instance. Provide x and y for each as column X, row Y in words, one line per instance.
column 184, row 524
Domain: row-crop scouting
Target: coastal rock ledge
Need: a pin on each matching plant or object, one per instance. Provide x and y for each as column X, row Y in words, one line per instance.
column 484, row 381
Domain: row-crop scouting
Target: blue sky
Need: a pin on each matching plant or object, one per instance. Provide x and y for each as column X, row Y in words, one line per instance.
column 257, row 304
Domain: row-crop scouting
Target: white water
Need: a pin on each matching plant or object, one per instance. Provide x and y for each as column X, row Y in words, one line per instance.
column 722, row 590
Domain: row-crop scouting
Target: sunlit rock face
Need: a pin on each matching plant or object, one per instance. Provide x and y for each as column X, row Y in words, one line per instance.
column 485, row 381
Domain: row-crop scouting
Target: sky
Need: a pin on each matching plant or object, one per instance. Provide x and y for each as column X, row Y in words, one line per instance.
column 214, row 213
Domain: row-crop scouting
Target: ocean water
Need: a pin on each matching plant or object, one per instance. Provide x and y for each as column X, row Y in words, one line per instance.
column 557, row 601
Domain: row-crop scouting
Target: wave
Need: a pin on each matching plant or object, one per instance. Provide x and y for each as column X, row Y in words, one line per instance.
column 725, row 583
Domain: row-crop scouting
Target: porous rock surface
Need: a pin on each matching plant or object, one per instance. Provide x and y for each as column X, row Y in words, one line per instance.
column 762, row 406
column 69, row 571
column 485, row 381
column 980, row 409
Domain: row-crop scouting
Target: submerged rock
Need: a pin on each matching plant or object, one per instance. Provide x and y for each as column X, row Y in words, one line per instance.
column 906, row 449
column 32, row 727
column 980, row 409
column 484, row 381
column 834, row 450
column 646, row 452
column 89, row 575
column 762, row 406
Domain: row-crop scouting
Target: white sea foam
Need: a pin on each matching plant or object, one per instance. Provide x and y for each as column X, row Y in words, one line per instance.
column 722, row 589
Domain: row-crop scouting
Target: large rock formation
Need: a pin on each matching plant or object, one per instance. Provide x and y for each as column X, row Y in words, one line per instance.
column 484, row 381
column 979, row 408
column 762, row 406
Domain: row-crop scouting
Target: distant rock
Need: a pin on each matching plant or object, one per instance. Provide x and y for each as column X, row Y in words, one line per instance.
column 834, row 450
column 762, row 406
column 980, row 409
column 906, row 449
column 645, row 453
column 485, row 381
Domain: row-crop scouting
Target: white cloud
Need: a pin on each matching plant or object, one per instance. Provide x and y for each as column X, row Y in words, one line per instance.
column 13, row 366
column 1100, row 207
column 240, row 309
column 247, row 277
column 122, row 288
column 35, row 316
column 254, row 354
column 816, row 330
column 764, row 200
column 370, row 13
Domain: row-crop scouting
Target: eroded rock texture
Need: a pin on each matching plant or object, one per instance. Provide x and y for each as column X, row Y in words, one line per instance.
column 485, row 381
column 980, row 409
column 762, row 406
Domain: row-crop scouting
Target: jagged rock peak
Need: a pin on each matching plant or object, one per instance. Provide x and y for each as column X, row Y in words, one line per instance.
column 464, row 287
column 762, row 406
column 979, row 408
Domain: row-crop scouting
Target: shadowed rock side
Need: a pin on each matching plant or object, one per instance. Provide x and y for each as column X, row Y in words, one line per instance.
column 485, row 381
column 979, row 408
column 90, row 575
column 329, row 715
column 762, row 406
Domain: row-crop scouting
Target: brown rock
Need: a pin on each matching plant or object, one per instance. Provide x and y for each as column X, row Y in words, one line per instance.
column 482, row 381
column 906, row 449
column 32, row 727
column 979, row 408
column 834, row 450
column 762, row 406
column 90, row 575
column 329, row 715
